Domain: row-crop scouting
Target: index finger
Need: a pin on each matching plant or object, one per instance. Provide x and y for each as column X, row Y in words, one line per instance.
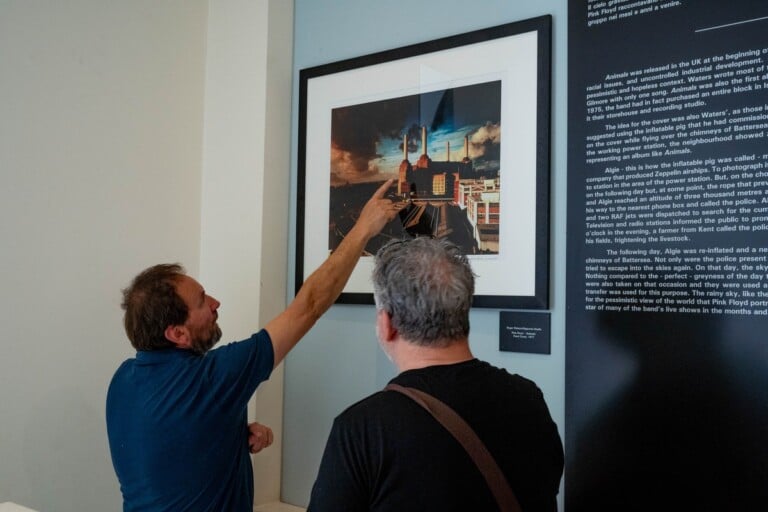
column 383, row 189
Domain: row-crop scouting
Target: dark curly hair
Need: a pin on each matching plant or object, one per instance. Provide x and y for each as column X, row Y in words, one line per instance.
column 151, row 304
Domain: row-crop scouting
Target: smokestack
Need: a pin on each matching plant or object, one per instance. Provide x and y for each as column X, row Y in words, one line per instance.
column 423, row 140
column 466, row 147
column 447, row 151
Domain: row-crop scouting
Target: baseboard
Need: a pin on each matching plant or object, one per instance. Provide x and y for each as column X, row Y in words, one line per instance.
column 277, row 507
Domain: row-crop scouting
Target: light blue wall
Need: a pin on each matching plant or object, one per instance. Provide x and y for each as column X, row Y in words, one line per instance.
column 339, row 362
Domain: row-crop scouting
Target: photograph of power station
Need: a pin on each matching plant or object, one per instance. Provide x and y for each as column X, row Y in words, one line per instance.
column 443, row 150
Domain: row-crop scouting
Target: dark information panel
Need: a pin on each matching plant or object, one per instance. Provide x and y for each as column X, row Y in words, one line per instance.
column 667, row 292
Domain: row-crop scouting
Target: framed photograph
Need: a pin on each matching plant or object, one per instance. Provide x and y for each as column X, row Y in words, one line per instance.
column 462, row 124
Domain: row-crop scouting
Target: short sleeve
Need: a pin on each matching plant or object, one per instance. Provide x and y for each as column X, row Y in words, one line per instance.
column 237, row 369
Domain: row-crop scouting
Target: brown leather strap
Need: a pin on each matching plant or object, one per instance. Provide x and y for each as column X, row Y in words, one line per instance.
column 467, row 437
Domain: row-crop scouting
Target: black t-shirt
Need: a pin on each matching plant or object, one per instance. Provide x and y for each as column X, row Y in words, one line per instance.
column 386, row 453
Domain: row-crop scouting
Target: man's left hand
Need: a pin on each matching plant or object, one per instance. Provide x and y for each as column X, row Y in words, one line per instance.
column 259, row 437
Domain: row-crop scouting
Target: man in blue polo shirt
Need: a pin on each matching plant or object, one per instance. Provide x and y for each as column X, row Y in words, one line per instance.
column 176, row 413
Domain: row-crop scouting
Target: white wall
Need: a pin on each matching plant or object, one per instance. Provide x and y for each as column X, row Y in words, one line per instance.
column 101, row 124
column 107, row 167
column 244, row 227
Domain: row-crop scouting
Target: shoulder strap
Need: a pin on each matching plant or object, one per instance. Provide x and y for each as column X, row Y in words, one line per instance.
column 467, row 437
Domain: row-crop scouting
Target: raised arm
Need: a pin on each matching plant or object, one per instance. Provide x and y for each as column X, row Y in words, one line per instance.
column 324, row 285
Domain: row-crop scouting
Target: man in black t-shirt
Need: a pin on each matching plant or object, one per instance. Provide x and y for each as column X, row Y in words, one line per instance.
column 386, row 453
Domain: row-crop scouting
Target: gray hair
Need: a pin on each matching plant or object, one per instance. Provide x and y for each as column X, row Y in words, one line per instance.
column 426, row 286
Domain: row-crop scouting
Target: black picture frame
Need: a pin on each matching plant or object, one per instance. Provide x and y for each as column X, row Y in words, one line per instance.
column 501, row 216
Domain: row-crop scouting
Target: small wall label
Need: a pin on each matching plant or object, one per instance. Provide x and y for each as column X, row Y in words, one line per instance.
column 524, row 332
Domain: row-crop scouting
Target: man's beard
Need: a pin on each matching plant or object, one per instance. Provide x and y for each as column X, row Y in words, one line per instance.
column 201, row 345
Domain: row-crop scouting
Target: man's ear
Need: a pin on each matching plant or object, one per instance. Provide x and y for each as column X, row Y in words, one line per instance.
column 178, row 335
column 384, row 325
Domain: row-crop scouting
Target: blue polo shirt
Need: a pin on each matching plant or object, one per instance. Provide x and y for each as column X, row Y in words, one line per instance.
column 177, row 426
